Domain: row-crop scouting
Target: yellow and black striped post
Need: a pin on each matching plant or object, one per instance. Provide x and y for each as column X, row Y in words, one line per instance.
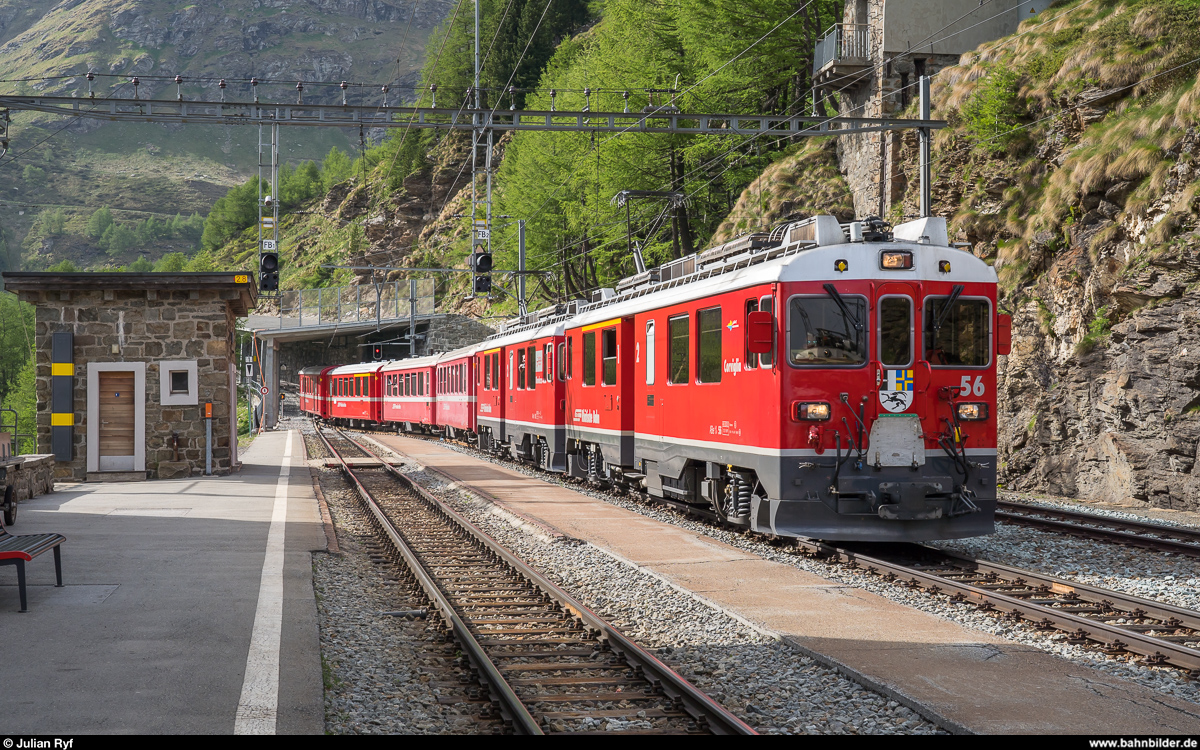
column 62, row 395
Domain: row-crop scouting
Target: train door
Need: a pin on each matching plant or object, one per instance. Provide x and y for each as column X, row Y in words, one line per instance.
column 901, row 378
column 647, row 352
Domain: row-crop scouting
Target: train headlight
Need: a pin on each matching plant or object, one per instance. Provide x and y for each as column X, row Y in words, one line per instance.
column 972, row 412
column 812, row 411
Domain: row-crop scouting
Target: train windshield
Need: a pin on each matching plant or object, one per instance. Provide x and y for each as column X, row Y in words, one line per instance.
column 823, row 332
column 957, row 333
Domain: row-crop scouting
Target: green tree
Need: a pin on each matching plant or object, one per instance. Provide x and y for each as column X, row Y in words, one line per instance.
column 33, row 175
column 336, row 168
column 298, row 186
column 231, row 214
column 170, row 263
column 118, row 239
column 99, row 222
column 21, row 396
column 52, row 223
column 141, row 265
column 64, row 266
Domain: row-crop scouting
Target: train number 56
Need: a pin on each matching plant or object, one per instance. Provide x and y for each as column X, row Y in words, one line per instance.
column 968, row 389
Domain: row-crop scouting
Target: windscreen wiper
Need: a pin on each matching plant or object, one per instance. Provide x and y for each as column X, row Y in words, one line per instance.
column 957, row 290
column 833, row 292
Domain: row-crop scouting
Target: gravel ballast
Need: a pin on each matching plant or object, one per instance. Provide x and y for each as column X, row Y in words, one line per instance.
column 1152, row 575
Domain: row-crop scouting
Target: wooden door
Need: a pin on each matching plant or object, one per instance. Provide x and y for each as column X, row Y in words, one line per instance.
column 117, row 409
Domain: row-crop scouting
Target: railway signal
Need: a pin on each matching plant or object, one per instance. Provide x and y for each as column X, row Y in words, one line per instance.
column 268, row 268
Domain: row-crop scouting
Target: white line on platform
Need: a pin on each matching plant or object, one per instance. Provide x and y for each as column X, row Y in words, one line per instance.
column 259, row 706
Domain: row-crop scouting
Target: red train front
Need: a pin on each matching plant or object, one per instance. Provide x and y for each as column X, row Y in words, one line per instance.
column 821, row 385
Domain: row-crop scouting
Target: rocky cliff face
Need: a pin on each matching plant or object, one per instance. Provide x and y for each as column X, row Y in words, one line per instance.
column 1084, row 196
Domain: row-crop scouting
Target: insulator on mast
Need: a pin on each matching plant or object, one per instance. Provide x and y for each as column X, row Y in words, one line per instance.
column 135, row 83
column 553, row 94
column 344, row 86
column 91, row 77
column 433, row 91
column 512, row 97
column 178, row 88
column 625, row 96
column 299, row 92
column 221, row 86
column 385, row 93
column 254, row 88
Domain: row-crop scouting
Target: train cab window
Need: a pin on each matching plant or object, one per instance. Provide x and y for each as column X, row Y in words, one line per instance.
column 895, row 331
column 825, row 333
column 608, row 345
column 530, row 369
column 649, row 352
column 520, row 369
column 678, row 344
column 562, row 361
column 496, row 371
column 751, row 360
column 511, row 369
column 589, row 358
column 570, row 357
column 766, row 304
column 708, row 349
column 487, row 373
column 959, row 336
column 547, row 367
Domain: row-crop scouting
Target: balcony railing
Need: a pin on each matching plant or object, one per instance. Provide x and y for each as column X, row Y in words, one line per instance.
column 841, row 41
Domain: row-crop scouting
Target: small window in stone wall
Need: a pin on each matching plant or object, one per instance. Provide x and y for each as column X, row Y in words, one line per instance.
column 178, row 383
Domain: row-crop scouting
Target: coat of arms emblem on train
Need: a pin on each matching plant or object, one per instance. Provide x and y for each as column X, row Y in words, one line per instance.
column 896, row 395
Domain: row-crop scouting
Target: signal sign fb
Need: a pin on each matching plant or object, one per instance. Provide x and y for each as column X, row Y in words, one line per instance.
column 269, row 245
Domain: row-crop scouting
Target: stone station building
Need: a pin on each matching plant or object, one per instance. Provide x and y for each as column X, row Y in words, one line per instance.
column 126, row 364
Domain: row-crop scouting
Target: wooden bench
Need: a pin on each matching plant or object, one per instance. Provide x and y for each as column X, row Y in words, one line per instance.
column 18, row 549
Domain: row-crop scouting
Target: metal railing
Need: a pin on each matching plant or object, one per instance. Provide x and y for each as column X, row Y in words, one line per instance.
column 842, row 40
column 362, row 303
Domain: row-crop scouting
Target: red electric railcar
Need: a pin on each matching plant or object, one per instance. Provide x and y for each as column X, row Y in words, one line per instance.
column 314, row 398
column 409, row 392
column 356, row 393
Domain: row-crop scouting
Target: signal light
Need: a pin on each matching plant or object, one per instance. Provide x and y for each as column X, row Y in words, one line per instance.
column 268, row 271
column 377, row 352
column 482, row 285
column 481, row 262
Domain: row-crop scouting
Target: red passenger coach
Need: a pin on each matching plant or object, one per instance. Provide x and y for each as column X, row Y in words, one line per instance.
column 521, row 394
column 599, row 378
column 314, row 397
column 408, row 392
column 454, row 379
column 356, row 393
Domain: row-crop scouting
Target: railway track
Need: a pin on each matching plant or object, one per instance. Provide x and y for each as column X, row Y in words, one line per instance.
column 1153, row 536
column 542, row 661
column 1116, row 623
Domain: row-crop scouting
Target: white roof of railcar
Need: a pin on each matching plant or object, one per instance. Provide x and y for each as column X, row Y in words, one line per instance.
column 359, row 368
column 412, row 363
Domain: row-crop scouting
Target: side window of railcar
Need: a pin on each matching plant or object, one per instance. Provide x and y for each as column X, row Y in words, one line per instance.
column 530, row 369
column 521, row 369
column 766, row 304
column 589, row 358
column 511, row 370
column 570, row 357
column 751, row 360
column 959, row 336
column 608, row 345
column 677, row 348
column 496, row 371
column 822, row 332
column 649, row 352
column 708, row 351
column 547, row 367
column 562, row 361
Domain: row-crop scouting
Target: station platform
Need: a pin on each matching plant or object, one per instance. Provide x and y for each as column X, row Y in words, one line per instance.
column 967, row 681
column 187, row 605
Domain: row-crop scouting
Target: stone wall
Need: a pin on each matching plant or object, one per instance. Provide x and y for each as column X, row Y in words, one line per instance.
column 144, row 326
column 453, row 331
column 885, row 91
column 32, row 477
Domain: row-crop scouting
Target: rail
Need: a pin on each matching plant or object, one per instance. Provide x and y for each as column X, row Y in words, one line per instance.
column 842, row 40
column 689, row 701
column 358, row 303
